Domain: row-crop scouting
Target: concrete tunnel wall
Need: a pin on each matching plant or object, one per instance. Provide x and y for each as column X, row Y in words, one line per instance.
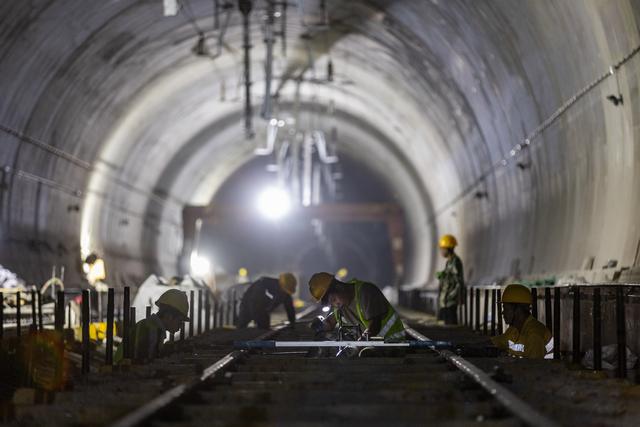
column 132, row 126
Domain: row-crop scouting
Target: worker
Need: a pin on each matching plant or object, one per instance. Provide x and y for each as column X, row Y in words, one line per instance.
column 360, row 303
column 147, row 338
column 94, row 269
column 525, row 337
column 263, row 296
column 451, row 281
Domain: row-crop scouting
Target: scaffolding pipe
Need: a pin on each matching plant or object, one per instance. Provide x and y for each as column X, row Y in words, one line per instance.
column 216, row 14
column 269, row 40
column 323, row 153
column 108, row 360
column 272, row 135
column 307, row 170
column 281, row 159
column 330, row 181
column 316, row 192
column 295, row 168
column 245, row 8
column 223, row 30
column 283, row 28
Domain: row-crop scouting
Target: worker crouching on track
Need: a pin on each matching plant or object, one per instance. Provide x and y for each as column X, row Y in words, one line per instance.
column 358, row 302
column 451, row 281
column 149, row 334
column 263, row 296
column 525, row 337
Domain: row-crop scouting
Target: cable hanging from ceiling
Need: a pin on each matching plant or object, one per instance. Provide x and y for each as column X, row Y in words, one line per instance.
column 304, row 158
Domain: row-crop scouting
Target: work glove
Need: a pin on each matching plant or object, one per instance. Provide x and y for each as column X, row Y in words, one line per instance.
column 317, row 325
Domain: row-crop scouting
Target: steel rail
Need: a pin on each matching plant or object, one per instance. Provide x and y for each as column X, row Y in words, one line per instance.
column 146, row 411
column 517, row 407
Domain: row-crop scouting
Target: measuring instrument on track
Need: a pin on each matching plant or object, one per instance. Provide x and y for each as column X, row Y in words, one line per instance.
column 269, row 344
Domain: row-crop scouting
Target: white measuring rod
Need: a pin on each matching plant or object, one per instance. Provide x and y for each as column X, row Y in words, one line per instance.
column 266, row 344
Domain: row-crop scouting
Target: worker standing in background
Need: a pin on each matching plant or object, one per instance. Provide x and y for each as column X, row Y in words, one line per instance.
column 451, row 281
column 263, row 296
column 359, row 303
column 147, row 338
column 94, row 269
column 526, row 337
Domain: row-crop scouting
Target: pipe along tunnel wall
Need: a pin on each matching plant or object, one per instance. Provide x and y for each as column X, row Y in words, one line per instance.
column 120, row 125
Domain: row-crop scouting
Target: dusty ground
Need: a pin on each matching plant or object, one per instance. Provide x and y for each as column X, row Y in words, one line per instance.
column 102, row 398
column 568, row 395
column 572, row 397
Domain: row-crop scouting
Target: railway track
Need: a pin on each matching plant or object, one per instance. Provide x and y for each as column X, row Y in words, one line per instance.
column 288, row 388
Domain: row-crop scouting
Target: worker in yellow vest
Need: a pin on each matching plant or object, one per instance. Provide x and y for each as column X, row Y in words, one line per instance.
column 526, row 337
column 359, row 303
column 147, row 338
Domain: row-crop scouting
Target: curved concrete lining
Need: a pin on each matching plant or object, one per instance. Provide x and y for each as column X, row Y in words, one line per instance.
column 429, row 94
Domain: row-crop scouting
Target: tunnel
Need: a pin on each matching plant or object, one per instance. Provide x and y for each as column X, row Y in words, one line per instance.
column 146, row 132
column 111, row 125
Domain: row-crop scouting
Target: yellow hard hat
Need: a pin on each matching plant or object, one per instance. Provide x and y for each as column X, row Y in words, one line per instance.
column 342, row 273
column 448, row 242
column 288, row 283
column 516, row 294
column 319, row 285
column 177, row 300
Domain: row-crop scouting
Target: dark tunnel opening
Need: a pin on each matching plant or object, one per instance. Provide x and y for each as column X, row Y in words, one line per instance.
column 296, row 241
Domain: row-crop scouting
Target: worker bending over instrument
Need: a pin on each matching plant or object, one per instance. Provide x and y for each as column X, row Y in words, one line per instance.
column 359, row 303
column 263, row 296
column 525, row 337
column 148, row 335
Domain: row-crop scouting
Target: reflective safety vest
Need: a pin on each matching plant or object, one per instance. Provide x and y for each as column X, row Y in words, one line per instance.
column 534, row 341
column 392, row 328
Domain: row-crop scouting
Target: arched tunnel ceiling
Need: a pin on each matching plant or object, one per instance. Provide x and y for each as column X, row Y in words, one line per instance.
column 429, row 94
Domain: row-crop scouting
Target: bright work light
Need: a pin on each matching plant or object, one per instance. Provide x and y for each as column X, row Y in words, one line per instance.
column 200, row 266
column 274, row 203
